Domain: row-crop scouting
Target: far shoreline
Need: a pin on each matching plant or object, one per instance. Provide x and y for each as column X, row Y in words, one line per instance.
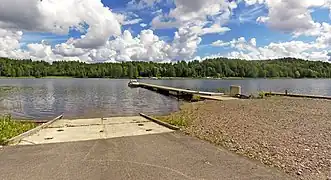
column 160, row 78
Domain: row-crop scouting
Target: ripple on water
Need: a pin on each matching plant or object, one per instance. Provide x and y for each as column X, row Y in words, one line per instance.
column 78, row 98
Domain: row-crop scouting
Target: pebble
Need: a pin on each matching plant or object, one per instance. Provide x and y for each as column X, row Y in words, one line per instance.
column 302, row 153
column 299, row 172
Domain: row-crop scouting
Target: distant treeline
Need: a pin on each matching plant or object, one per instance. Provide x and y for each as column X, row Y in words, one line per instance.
column 219, row 67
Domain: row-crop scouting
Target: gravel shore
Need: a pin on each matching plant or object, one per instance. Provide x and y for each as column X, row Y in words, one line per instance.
column 293, row 134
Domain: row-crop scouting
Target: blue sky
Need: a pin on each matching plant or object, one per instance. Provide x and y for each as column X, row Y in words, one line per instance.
column 247, row 29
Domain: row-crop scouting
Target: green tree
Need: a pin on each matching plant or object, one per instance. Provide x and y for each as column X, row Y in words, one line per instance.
column 218, row 67
column 171, row 72
column 297, row 74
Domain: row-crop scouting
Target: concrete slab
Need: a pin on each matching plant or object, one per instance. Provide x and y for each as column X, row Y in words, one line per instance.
column 97, row 121
column 92, row 129
column 158, row 156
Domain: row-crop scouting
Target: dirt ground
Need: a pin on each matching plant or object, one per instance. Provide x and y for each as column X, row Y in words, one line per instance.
column 293, row 134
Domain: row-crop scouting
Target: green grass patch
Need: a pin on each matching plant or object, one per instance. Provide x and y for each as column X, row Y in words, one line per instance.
column 174, row 120
column 10, row 128
column 258, row 95
column 262, row 94
column 195, row 98
column 182, row 118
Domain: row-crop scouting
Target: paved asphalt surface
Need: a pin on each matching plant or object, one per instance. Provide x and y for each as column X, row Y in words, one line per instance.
column 159, row 156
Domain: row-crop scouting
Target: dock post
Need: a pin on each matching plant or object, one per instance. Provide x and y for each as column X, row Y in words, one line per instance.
column 235, row 90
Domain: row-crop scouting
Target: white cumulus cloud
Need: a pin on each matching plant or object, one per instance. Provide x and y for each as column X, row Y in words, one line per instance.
column 105, row 40
column 247, row 50
column 292, row 16
column 59, row 16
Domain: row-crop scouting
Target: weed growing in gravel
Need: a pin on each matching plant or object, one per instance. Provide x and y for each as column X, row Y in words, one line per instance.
column 180, row 121
column 261, row 94
column 195, row 98
column 181, row 118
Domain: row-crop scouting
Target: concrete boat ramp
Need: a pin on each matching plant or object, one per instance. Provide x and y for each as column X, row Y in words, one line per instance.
column 66, row 130
column 122, row 148
column 138, row 147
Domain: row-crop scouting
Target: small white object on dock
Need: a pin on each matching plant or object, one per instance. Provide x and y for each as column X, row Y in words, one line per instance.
column 235, row 90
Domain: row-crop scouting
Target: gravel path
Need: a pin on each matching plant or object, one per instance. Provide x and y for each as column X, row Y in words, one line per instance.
column 293, row 134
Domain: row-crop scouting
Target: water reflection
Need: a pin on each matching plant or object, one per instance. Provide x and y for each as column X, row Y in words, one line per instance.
column 77, row 98
column 81, row 98
column 308, row 86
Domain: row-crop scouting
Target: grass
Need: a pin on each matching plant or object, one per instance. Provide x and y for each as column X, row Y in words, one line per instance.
column 10, row 128
column 180, row 118
column 186, row 115
column 262, row 94
column 179, row 121
column 195, row 98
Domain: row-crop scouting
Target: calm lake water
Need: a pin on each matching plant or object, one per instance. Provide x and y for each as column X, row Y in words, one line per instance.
column 81, row 98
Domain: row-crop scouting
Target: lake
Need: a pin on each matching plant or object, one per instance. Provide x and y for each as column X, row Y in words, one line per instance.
column 82, row 98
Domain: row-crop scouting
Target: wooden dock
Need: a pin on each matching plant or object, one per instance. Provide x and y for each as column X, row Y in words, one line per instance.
column 183, row 93
column 176, row 91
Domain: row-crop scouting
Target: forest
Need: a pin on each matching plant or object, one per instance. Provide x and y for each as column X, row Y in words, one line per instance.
column 217, row 68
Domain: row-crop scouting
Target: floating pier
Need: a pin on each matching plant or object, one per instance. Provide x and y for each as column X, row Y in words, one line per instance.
column 182, row 93
column 175, row 91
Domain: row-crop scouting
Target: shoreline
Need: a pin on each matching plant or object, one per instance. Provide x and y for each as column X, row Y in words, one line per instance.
column 11, row 128
column 280, row 132
column 160, row 78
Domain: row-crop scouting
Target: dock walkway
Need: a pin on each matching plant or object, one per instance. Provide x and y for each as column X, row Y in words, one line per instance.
column 177, row 90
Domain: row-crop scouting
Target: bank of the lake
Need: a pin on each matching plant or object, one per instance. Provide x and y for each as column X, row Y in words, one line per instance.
column 33, row 77
column 293, row 134
column 10, row 128
column 155, row 78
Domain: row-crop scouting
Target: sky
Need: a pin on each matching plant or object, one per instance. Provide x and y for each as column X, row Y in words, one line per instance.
column 164, row 30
